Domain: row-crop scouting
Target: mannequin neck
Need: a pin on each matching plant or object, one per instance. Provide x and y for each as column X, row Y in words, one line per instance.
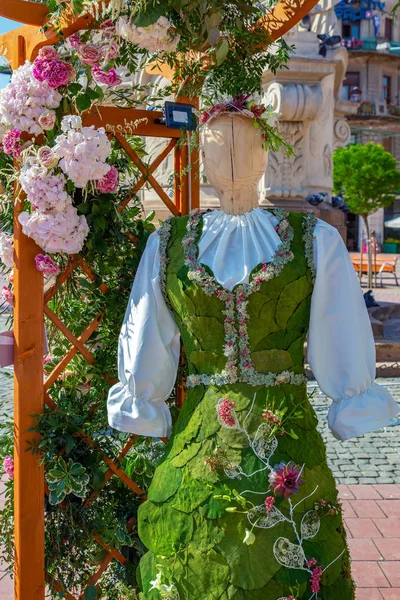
column 238, row 201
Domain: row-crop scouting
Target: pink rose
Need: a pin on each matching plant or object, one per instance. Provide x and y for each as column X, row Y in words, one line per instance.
column 90, row 55
column 109, row 182
column 112, row 51
column 48, row 53
column 47, row 120
column 8, row 296
column 55, row 72
column 108, row 28
column 46, row 265
column 75, row 41
column 8, row 464
column 47, row 158
column 110, row 77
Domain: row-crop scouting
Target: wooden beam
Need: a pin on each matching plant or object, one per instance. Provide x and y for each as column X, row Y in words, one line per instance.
column 28, row 13
column 28, row 400
column 130, row 121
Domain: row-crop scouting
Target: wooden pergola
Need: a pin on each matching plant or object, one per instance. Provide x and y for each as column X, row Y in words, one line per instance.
column 31, row 392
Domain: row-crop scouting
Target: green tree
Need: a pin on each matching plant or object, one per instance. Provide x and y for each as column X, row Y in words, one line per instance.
column 368, row 178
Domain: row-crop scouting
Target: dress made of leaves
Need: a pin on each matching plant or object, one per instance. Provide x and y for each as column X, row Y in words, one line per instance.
column 243, row 505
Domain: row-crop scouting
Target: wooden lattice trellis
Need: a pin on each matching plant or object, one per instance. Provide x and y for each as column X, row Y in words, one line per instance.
column 31, row 303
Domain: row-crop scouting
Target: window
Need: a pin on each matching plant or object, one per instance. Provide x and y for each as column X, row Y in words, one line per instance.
column 389, row 29
column 386, row 89
column 351, row 81
column 351, row 30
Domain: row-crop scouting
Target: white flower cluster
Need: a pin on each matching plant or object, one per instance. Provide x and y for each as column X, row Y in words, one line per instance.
column 45, row 191
column 83, row 151
column 56, row 231
column 54, row 222
column 6, row 249
column 158, row 37
column 24, row 100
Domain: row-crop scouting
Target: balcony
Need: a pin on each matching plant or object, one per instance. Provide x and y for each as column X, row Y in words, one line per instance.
column 378, row 108
column 378, row 45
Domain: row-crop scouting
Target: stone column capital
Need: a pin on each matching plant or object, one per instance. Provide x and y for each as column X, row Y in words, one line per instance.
column 294, row 101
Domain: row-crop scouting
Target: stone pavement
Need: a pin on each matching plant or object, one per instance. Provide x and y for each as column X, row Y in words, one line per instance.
column 372, row 518
column 373, row 458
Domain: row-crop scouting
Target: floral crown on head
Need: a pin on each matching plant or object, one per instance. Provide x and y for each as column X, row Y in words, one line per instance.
column 264, row 119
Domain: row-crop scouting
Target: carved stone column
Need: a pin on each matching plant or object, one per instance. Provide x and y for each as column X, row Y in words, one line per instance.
column 312, row 121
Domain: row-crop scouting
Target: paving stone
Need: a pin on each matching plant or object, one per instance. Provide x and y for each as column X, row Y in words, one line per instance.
column 363, row 528
column 389, row 548
column 368, row 594
column 392, row 572
column 361, row 549
column 389, row 528
column 369, row 574
column 390, row 594
column 367, row 509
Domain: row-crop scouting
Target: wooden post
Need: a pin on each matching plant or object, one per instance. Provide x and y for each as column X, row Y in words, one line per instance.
column 28, row 400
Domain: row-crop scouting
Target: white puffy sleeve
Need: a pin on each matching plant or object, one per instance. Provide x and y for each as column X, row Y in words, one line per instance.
column 148, row 354
column 341, row 349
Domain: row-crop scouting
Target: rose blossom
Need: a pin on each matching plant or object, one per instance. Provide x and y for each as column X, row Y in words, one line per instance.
column 55, row 72
column 47, row 120
column 89, row 54
column 110, row 77
column 74, row 41
column 8, row 464
column 112, row 51
column 48, row 53
column 11, row 143
column 46, row 265
column 47, row 158
column 8, row 296
column 109, row 182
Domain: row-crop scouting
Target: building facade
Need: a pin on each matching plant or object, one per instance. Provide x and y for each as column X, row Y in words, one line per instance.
column 371, row 33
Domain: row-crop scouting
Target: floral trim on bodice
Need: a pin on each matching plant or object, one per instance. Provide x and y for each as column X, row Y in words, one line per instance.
column 239, row 366
column 309, row 223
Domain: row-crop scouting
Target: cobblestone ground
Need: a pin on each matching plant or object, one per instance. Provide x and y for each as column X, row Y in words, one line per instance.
column 373, row 458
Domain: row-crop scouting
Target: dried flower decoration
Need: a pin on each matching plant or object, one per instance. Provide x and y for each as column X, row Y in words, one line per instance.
column 264, row 119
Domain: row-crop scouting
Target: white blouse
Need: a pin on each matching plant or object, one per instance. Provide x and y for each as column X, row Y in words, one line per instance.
column 341, row 350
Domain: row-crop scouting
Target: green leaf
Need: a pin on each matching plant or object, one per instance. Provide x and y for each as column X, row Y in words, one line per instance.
column 92, row 94
column 90, row 593
column 75, row 88
column 100, row 222
column 221, row 50
column 150, row 15
column 166, row 481
column 98, row 479
column 83, row 102
column 83, row 208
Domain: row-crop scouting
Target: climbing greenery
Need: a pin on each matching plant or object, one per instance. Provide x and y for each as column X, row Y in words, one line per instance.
column 84, row 506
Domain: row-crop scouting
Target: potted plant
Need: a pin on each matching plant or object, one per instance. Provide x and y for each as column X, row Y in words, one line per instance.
column 391, row 246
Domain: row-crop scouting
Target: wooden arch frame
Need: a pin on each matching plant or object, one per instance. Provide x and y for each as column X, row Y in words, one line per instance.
column 31, row 392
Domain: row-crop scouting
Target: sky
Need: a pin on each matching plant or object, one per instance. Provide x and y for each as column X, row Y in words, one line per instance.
column 6, row 25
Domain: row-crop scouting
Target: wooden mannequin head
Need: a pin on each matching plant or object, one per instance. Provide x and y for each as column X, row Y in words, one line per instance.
column 234, row 161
